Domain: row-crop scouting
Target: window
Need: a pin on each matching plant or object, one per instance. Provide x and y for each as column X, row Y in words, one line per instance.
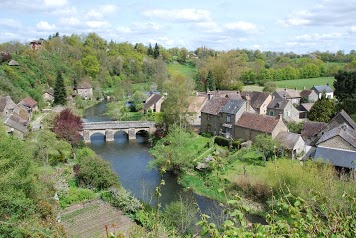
column 271, row 113
column 228, row 118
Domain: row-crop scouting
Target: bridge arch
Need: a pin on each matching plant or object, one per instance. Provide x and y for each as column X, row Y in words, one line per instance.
column 98, row 136
column 121, row 135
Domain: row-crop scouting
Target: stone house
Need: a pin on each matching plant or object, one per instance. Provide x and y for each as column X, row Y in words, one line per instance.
column 338, row 147
column 220, row 114
column 7, row 106
column 10, row 117
column 309, row 96
column 329, row 93
column 195, row 106
column 154, row 103
column 311, row 130
column 85, row 90
column 292, row 95
column 48, row 95
column 249, row 125
column 292, row 143
column 304, row 109
column 259, row 101
column 29, row 104
column 283, row 107
column 341, row 118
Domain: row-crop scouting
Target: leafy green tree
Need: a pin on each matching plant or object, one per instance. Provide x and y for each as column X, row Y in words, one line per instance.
column 60, row 95
column 91, row 65
column 210, row 82
column 156, row 51
column 175, row 105
column 138, row 98
column 269, row 87
column 171, row 152
column 345, row 90
column 266, row 145
column 322, row 110
column 295, row 127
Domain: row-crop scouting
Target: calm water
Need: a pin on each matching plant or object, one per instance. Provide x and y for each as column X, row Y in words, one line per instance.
column 130, row 158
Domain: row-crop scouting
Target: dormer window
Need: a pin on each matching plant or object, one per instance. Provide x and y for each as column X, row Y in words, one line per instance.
column 277, row 105
column 228, row 118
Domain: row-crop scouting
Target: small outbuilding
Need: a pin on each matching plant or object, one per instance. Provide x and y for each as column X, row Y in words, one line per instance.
column 291, row 143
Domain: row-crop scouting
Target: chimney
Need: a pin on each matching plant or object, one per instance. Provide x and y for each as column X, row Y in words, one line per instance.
column 304, row 88
column 248, row 103
column 209, row 96
column 281, row 116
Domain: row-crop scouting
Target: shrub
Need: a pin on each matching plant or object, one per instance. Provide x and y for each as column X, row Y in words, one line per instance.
column 75, row 195
column 222, row 141
column 123, row 200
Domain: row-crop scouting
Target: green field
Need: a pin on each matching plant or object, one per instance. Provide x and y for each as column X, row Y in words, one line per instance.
column 186, row 70
column 308, row 83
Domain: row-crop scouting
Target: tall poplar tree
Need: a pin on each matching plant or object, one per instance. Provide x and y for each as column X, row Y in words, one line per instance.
column 156, row 51
column 150, row 50
column 60, row 94
column 210, row 81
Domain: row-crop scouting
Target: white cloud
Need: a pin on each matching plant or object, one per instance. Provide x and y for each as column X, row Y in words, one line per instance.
column 108, row 9
column 97, row 24
column 294, row 21
column 45, row 26
column 67, row 11
column 353, row 29
column 55, row 3
column 94, row 14
column 188, row 14
column 318, row 36
column 72, row 21
column 241, row 25
column 10, row 23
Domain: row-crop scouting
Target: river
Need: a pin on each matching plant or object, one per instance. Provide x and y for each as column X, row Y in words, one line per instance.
column 129, row 159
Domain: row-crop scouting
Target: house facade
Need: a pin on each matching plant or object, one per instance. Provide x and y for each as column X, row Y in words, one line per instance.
column 219, row 115
column 292, row 143
column 283, row 107
column 250, row 125
column 29, row 104
column 85, row 90
column 195, row 106
column 329, row 93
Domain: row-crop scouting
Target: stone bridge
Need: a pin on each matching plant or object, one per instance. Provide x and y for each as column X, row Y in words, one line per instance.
column 109, row 128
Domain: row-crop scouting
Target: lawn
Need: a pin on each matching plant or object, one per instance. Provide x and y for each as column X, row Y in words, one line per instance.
column 186, row 70
column 308, row 83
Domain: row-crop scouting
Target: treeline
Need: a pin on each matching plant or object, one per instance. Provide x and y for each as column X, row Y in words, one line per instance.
column 116, row 66
column 230, row 69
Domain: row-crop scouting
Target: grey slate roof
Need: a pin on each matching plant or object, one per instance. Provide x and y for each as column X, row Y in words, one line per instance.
column 287, row 139
column 278, row 103
column 14, row 121
column 321, row 88
column 347, row 118
column 305, row 106
column 344, row 131
column 287, row 94
column 232, row 106
column 337, row 157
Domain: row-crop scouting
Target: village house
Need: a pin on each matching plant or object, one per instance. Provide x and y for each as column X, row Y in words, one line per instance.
column 249, row 125
column 10, row 116
column 329, row 93
column 292, row 95
column 304, row 109
column 292, row 143
column 259, row 101
column 29, row 104
column 341, row 118
column 308, row 96
column 311, row 130
column 85, row 90
column 283, row 107
column 153, row 103
column 338, row 147
column 36, row 44
column 48, row 95
column 220, row 114
column 195, row 106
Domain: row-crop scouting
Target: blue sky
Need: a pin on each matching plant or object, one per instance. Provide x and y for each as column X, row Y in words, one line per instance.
column 301, row 26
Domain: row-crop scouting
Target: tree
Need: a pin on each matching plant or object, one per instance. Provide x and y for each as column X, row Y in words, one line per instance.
column 60, row 95
column 66, row 125
column 150, row 50
column 156, row 51
column 210, row 82
column 91, row 65
column 269, row 87
column 175, row 105
column 266, row 145
column 322, row 110
column 138, row 98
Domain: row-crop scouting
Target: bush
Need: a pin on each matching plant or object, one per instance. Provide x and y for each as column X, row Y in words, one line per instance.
column 222, row 141
column 75, row 195
column 123, row 200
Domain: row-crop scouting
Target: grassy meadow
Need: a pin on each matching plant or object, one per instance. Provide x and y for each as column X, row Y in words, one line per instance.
column 186, row 70
column 308, row 83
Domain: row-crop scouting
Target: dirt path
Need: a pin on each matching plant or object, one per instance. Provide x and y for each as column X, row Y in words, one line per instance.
column 89, row 220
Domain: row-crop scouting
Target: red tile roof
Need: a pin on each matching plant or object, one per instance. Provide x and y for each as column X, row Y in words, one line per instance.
column 30, row 102
column 257, row 122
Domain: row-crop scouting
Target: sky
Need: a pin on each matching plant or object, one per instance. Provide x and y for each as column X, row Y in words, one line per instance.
column 301, row 26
